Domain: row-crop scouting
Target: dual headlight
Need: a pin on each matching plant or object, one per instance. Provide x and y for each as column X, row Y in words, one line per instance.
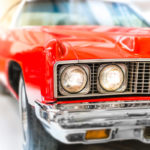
column 74, row 79
column 77, row 79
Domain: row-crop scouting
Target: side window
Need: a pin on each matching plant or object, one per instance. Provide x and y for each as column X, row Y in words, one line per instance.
column 8, row 16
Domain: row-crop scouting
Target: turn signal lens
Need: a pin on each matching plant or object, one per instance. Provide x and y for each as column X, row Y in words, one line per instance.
column 97, row 134
column 147, row 133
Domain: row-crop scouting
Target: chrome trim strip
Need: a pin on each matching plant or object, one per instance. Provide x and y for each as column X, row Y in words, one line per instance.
column 96, row 95
column 102, row 60
column 117, row 105
column 72, row 121
column 114, row 60
column 92, row 61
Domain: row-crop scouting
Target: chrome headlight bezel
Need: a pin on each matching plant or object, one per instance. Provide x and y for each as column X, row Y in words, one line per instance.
column 123, row 86
column 83, row 91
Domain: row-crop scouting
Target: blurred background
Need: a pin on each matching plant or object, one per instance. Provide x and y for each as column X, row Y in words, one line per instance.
column 9, row 115
column 143, row 5
column 10, row 131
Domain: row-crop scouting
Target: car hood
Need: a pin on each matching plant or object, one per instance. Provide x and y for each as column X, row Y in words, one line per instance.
column 95, row 42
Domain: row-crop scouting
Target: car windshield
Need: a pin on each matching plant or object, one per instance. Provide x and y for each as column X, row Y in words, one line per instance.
column 79, row 12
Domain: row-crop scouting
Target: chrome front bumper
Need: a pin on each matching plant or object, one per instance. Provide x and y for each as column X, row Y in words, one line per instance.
column 68, row 123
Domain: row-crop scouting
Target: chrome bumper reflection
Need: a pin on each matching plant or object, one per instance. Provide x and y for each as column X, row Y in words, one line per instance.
column 69, row 123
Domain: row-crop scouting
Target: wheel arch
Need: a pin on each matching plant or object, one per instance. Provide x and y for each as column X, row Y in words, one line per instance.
column 14, row 72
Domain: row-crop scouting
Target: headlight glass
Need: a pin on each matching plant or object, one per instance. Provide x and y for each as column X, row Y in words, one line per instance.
column 73, row 79
column 111, row 78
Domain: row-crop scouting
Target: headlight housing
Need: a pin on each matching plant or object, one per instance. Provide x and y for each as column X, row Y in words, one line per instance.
column 74, row 79
column 112, row 78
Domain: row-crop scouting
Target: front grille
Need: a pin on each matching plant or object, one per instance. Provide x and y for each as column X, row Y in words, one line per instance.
column 138, row 79
column 94, row 76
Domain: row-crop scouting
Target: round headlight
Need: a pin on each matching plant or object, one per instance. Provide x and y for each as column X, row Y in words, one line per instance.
column 111, row 78
column 73, row 79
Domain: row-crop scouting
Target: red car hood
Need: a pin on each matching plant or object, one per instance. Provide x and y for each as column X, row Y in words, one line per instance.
column 94, row 42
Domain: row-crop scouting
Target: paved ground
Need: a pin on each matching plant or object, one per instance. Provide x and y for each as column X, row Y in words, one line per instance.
column 10, row 131
column 9, row 124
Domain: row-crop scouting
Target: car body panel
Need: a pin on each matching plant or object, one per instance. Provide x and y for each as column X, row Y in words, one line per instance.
column 37, row 49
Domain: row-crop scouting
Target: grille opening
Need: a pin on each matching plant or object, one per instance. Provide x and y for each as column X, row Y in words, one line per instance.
column 138, row 80
column 94, row 76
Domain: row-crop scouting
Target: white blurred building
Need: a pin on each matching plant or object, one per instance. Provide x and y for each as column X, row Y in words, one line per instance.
column 144, row 6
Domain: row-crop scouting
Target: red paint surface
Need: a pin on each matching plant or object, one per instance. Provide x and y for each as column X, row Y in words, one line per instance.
column 37, row 49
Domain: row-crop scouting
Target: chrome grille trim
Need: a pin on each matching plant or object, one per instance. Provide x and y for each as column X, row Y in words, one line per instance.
column 143, row 75
column 138, row 76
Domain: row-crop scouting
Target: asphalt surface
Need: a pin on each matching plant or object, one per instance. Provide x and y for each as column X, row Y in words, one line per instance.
column 10, row 134
column 9, row 124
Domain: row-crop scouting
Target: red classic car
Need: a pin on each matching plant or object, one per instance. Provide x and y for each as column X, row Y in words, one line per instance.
column 79, row 76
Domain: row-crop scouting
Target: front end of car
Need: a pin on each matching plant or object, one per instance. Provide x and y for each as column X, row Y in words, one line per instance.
column 99, row 101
